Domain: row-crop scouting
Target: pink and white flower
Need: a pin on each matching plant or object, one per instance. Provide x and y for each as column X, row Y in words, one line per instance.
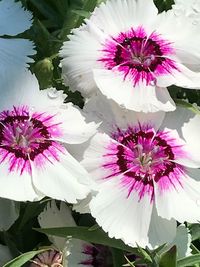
column 34, row 125
column 131, row 54
column 14, row 52
column 145, row 167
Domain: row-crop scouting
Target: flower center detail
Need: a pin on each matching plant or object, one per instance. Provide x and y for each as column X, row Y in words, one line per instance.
column 97, row 256
column 50, row 258
column 139, row 56
column 142, row 156
column 25, row 135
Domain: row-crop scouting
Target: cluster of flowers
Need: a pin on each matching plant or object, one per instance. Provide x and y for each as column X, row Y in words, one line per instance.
column 131, row 158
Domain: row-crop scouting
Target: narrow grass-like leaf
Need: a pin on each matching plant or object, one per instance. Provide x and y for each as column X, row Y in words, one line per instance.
column 23, row 258
column 187, row 105
column 189, row 261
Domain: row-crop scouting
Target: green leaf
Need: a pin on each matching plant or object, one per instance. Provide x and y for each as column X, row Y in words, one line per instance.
column 23, row 258
column 144, row 255
column 81, row 13
column 189, row 261
column 163, row 4
column 32, row 210
column 187, row 105
column 90, row 5
column 168, row 258
column 47, row 11
column 94, row 227
column 118, row 257
column 97, row 236
column 129, row 262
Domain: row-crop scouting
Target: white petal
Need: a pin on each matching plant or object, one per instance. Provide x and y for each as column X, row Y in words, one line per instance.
column 14, row 19
column 161, row 230
column 14, row 56
column 17, row 186
column 74, row 127
column 123, row 217
column 9, row 213
column 180, row 202
column 65, row 179
column 168, row 20
column 182, row 241
column 99, row 108
column 53, row 217
column 20, row 91
column 5, row 255
column 93, row 157
column 75, row 253
column 83, row 205
column 138, row 98
column 24, row 90
column 79, row 57
column 121, row 15
column 187, row 124
column 187, row 78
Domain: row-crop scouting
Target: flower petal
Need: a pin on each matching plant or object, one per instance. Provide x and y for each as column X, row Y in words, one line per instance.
column 77, row 63
column 138, row 98
column 101, row 109
column 122, row 216
column 17, row 186
column 187, row 124
column 161, row 230
column 24, row 90
column 184, row 77
column 180, row 201
column 14, row 19
column 14, row 55
column 64, row 179
column 121, row 15
column 182, row 241
column 53, row 217
column 74, row 127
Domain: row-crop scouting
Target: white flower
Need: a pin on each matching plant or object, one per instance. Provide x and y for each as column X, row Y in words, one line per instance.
column 145, row 167
column 76, row 253
column 131, row 53
column 14, row 52
column 34, row 125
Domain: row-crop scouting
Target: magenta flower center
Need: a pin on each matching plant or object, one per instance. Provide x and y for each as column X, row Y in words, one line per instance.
column 97, row 256
column 26, row 136
column 142, row 157
column 139, row 56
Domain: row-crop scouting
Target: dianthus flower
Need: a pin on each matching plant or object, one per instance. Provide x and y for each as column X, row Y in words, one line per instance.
column 132, row 53
column 34, row 125
column 145, row 169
